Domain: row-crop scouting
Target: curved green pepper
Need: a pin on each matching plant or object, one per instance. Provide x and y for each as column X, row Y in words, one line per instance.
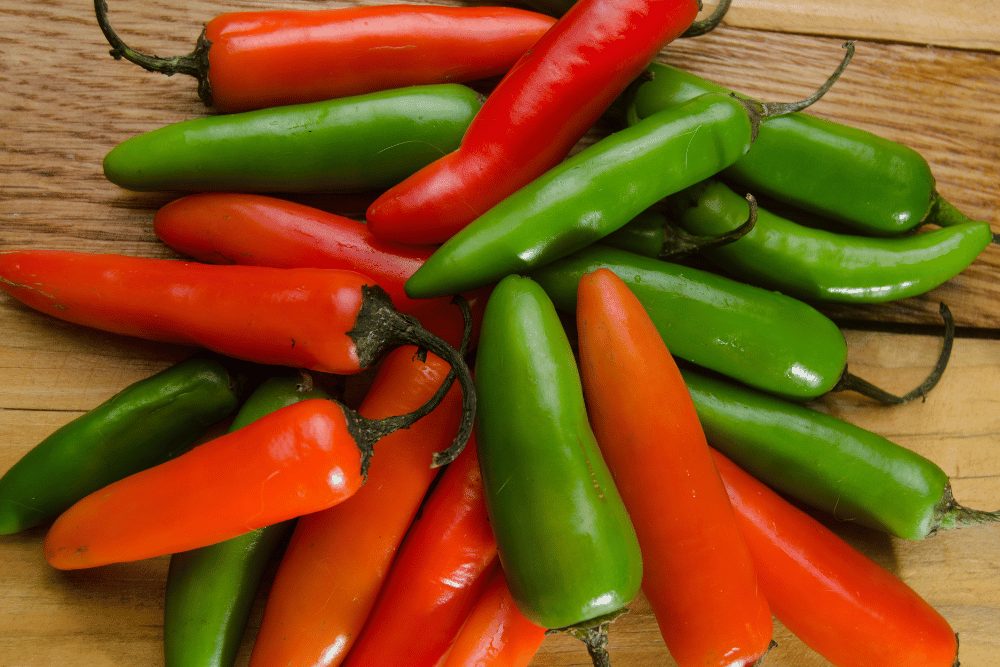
column 859, row 179
column 366, row 142
column 566, row 543
column 816, row 264
column 762, row 338
column 829, row 464
column 210, row 590
column 139, row 427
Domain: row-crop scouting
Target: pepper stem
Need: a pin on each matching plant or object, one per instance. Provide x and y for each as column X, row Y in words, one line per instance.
column 193, row 64
column 949, row 514
column 851, row 382
column 706, row 25
column 678, row 241
column 944, row 214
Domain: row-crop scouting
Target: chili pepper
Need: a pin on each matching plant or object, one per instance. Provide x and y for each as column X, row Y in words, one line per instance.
column 560, row 7
column 337, row 559
column 697, row 572
column 534, row 116
column 441, row 569
column 565, row 541
column 496, row 633
column 225, row 228
column 210, row 590
column 319, row 319
column 881, row 187
column 832, row 597
column 599, row 190
column 366, row 142
column 139, row 427
column 250, row 60
column 829, row 464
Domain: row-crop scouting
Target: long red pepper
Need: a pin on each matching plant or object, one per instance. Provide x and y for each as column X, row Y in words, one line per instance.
column 835, row 599
column 226, row 228
column 434, row 581
column 496, row 633
column 251, row 60
column 698, row 575
column 337, row 559
column 534, row 116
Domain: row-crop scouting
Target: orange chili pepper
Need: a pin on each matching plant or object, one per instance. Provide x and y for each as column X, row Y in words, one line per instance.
column 831, row 596
column 496, row 634
column 434, row 581
column 337, row 559
column 697, row 571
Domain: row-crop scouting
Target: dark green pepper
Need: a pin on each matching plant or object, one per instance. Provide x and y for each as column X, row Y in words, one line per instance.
column 821, row 265
column 139, row 427
column 567, row 546
column 856, row 178
column 765, row 339
column 350, row 144
column 827, row 463
column 210, row 590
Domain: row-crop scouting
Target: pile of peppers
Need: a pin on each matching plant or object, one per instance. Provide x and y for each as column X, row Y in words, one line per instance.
column 637, row 448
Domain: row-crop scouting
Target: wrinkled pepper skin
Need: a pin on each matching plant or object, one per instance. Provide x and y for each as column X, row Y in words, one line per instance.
column 565, row 541
column 351, row 144
column 210, row 590
column 139, row 427
column 762, row 338
column 819, row 265
column 873, row 185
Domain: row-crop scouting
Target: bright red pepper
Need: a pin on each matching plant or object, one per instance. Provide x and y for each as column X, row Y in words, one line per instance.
column 698, row 575
column 226, row 228
column 832, row 597
column 534, row 116
column 337, row 559
column 441, row 568
column 251, row 60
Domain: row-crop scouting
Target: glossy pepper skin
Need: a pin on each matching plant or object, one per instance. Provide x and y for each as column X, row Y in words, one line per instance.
column 698, row 575
column 338, row 558
column 534, row 116
column 873, row 185
column 229, row 228
column 251, row 60
column 832, row 597
column 366, row 142
column 137, row 428
column 829, row 464
column 210, row 590
column 441, row 569
column 762, row 338
column 590, row 195
column 820, row 265
column 565, row 541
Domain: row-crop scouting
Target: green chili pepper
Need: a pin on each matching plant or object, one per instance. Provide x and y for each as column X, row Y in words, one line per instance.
column 859, row 179
column 367, row 142
column 566, row 543
column 827, row 463
column 817, row 264
column 137, row 428
column 762, row 338
column 210, row 590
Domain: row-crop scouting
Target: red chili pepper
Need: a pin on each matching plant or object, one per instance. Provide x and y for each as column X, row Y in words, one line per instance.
column 437, row 576
column 835, row 599
column 698, row 574
column 534, row 116
column 334, row 566
column 251, row 60
column 224, row 228
column 496, row 634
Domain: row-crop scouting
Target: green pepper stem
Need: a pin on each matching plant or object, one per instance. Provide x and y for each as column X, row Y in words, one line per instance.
column 193, row 64
column 595, row 638
column 851, row 382
column 944, row 214
column 678, row 241
column 949, row 514
column 706, row 25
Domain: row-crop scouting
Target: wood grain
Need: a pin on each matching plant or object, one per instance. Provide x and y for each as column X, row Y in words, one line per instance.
column 64, row 104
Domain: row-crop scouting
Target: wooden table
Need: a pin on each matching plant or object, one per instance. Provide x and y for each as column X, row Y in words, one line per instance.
column 926, row 73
